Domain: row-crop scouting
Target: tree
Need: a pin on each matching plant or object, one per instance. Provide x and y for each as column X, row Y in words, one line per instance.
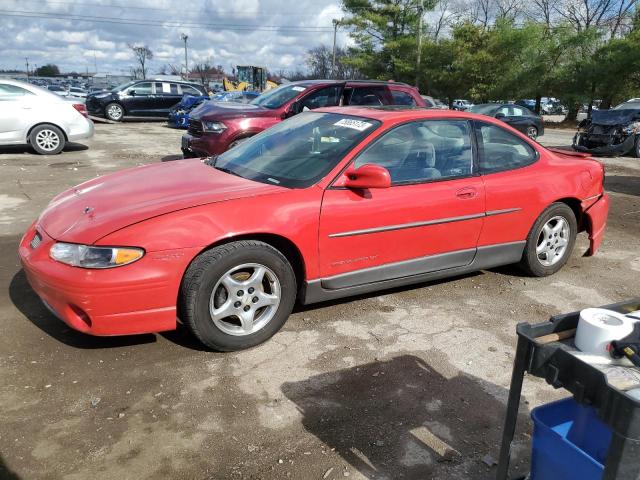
column 48, row 70
column 142, row 53
column 319, row 62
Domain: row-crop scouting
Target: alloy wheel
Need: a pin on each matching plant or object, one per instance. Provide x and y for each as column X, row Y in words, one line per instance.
column 115, row 112
column 532, row 132
column 245, row 299
column 47, row 140
column 552, row 241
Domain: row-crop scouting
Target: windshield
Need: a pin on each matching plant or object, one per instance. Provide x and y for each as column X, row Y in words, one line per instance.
column 485, row 109
column 278, row 96
column 298, row 152
column 628, row 105
column 123, row 86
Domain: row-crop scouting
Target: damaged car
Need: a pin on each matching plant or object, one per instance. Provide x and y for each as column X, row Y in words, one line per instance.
column 611, row 132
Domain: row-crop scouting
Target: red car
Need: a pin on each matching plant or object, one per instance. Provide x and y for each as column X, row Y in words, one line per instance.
column 327, row 204
column 214, row 127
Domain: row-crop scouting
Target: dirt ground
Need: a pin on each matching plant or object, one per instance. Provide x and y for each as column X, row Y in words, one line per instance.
column 356, row 388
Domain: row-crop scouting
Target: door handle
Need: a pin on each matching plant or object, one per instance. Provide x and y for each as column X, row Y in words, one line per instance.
column 466, row 193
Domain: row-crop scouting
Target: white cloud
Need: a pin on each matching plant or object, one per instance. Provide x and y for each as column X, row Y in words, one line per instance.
column 227, row 32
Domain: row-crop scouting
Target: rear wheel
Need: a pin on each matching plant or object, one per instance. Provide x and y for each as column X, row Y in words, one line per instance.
column 550, row 241
column 237, row 295
column 114, row 112
column 636, row 147
column 532, row 132
column 47, row 139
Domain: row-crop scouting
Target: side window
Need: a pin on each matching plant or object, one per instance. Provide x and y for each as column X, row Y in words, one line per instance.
column 369, row 96
column 173, row 88
column 190, row 90
column 423, row 151
column 501, row 150
column 518, row 112
column 141, row 88
column 504, row 111
column 403, row 98
column 12, row 92
column 159, row 89
column 325, row 97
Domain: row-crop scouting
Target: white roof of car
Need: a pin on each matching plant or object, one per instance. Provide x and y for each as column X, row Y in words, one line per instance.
column 32, row 88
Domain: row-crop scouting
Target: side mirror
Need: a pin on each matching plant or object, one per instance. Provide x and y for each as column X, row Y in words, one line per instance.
column 500, row 116
column 367, row 176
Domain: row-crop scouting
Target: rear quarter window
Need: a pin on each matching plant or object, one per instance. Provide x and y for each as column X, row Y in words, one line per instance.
column 403, row 98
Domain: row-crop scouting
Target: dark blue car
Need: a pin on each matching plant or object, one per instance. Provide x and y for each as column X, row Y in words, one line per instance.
column 179, row 115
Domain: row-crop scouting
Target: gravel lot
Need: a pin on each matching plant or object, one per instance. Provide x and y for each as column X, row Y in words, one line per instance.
column 357, row 388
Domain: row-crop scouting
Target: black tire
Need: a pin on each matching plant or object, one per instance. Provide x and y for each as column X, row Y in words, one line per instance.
column 204, row 274
column 47, row 139
column 111, row 112
column 636, row 147
column 530, row 261
column 532, row 132
column 237, row 142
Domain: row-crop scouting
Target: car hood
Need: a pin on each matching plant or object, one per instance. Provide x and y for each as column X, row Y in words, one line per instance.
column 614, row 117
column 211, row 110
column 96, row 208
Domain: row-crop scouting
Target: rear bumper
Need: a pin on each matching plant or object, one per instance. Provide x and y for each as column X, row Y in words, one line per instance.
column 597, row 222
column 81, row 130
column 137, row 298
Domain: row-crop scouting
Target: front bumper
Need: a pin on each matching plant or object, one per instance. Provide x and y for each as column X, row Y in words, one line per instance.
column 602, row 148
column 137, row 298
column 597, row 222
column 205, row 145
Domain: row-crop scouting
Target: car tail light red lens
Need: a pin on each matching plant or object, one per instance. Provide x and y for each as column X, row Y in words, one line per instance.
column 82, row 108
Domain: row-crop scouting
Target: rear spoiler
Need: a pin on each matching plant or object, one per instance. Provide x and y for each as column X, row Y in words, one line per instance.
column 569, row 153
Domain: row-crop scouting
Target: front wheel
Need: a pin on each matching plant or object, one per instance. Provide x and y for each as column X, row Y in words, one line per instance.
column 114, row 112
column 237, row 295
column 550, row 241
column 47, row 139
column 636, row 147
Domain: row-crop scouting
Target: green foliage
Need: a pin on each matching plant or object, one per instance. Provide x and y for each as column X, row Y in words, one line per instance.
column 48, row 70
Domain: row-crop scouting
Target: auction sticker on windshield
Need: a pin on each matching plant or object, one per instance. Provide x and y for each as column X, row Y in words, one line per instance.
column 355, row 124
column 298, row 89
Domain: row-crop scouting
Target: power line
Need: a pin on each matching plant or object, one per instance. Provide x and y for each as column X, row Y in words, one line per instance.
column 166, row 24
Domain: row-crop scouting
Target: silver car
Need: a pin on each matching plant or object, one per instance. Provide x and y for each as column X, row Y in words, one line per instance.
column 34, row 116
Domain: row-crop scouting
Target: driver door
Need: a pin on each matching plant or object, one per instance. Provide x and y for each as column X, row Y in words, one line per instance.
column 429, row 219
column 140, row 99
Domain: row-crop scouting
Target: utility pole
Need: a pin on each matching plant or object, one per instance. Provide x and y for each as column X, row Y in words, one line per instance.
column 336, row 22
column 26, row 59
column 186, row 63
column 420, row 13
column 95, row 63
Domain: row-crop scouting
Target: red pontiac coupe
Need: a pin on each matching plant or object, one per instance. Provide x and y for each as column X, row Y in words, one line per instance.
column 327, row 204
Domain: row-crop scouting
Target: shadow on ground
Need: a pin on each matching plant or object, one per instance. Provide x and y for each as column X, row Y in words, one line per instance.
column 13, row 149
column 623, row 184
column 402, row 419
column 5, row 472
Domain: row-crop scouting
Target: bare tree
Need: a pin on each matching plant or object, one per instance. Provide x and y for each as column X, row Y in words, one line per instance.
column 542, row 10
column 509, row 9
column 446, row 13
column 584, row 14
column 142, row 54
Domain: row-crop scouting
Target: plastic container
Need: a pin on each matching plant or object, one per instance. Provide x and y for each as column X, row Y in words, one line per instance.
column 569, row 442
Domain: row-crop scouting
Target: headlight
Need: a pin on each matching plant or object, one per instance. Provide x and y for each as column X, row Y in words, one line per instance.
column 94, row 257
column 215, row 127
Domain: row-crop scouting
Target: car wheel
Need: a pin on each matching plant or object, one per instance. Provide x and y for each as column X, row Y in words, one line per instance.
column 47, row 139
column 114, row 112
column 237, row 142
column 550, row 241
column 636, row 147
column 532, row 132
column 237, row 295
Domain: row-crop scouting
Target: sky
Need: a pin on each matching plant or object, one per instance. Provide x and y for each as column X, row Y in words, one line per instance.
column 271, row 33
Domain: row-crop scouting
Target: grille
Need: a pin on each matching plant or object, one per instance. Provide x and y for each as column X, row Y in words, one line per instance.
column 195, row 127
column 36, row 240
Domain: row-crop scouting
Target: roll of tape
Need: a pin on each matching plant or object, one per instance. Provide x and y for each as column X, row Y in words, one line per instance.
column 598, row 327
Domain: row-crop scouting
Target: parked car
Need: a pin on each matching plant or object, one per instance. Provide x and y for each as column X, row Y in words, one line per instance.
column 58, row 90
column 215, row 127
column 434, row 103
column 327, row 204
column 611, row 132
column 238, row 97
column 30, row 115
column 462, row 105
column 77, row 92
column 141, row 98
column 179, row 114
column 520, row 118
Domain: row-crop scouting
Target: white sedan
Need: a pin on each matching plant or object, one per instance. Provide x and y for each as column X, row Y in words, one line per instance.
column 34, row 116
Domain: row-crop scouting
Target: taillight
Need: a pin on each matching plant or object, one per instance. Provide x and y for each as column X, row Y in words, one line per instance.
column 82, row 108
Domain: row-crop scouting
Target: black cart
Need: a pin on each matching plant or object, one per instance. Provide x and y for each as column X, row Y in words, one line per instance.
column 543, row 351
